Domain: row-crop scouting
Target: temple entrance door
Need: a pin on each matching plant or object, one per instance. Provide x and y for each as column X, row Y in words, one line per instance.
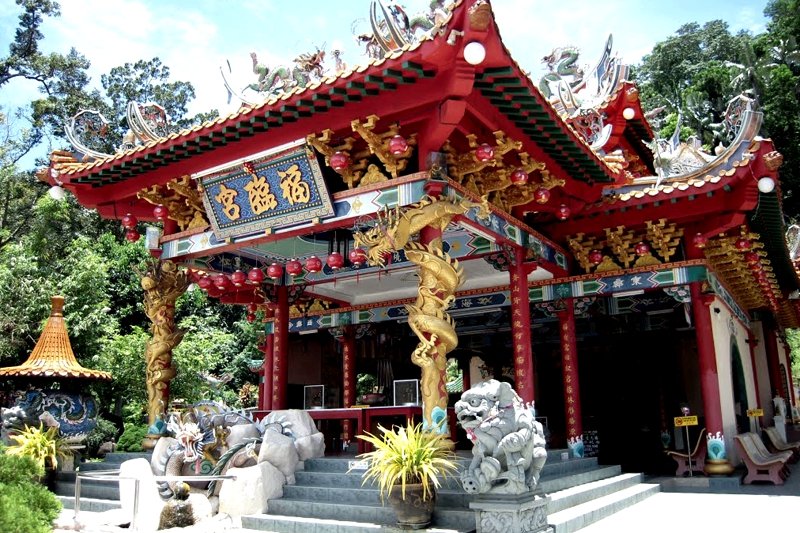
column 739, row 388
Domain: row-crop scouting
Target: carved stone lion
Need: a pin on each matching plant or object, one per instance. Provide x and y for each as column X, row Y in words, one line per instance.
column 508, row 443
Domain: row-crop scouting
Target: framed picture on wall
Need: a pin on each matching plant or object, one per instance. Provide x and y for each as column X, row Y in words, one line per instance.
column 406, row 392
column 314, row 397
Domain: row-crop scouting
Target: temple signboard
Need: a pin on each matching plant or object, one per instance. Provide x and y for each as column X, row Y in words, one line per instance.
column 278, row 189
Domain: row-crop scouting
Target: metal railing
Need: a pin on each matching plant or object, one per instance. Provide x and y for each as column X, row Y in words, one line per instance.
column 113, row 476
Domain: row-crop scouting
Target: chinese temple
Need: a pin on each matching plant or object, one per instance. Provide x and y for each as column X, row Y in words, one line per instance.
column 435, row 203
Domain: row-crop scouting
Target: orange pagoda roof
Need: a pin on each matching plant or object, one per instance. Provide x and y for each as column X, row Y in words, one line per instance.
column 52, row 356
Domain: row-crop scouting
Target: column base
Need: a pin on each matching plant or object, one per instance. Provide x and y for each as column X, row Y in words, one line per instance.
column 149, row 442
column 503, row 513
column 718, row 467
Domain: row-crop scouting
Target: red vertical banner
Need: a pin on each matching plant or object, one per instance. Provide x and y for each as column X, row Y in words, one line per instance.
column 569, row 367
column 348, row 340
column 521, row 327
column 280, row 352
column 265, row 387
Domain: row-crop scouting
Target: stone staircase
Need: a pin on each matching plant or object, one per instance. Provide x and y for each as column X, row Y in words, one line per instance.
column 326, row 498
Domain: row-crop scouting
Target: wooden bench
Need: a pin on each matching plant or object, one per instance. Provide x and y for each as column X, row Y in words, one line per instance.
column 697, row 458
column 761, row 465
column 779, row 445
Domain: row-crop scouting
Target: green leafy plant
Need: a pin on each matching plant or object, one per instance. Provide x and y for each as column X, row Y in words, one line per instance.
column 25, row 505
column 131, row 438
column 104, row 431
column 407, row 456
column 44, row 446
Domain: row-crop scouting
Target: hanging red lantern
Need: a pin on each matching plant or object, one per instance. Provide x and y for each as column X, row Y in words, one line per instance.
column 541, row 195
column 563, row 212
column 340, row 161
column 255, row 276
column 160, row 212
column 335, row 261
column 519, row 177
column 357, row 256
column 132, row 235
column 641, row 248
column 205, row 283
column 484, row 153
column 239, row 278
column 129, row 221
column 251, row 317
column 755, row 267
column 595, row 257
column 699, row 241
column 275, row 271
column 398, row 145
column 252, row 307
column 742, row 244
column 221, row 282
column 313, row 264
column 294, row 267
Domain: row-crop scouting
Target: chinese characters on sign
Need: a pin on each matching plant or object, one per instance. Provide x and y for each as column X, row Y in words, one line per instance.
column 278, row 190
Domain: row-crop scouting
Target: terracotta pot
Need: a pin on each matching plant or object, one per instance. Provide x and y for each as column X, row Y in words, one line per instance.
column 412, row 512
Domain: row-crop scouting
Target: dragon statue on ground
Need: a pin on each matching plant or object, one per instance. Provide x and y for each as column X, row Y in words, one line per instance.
column 440, row 276
column 508, row 450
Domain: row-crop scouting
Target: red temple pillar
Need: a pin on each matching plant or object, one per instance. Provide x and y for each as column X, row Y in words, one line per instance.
column 521, row 326
column 265, row 387
column 348, row 340
column 752, row 341
column 280, row 351
column 569, row 368
column 717, row 459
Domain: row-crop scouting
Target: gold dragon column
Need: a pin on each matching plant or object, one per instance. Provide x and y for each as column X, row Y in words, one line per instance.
column 163, row 283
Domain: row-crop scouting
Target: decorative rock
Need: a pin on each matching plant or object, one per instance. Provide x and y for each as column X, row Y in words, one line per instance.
column 150, row 503
column 308, row 440
column 106, row 448
column 241, row 432
column 310, row 446
column 280, row 451
column 202, row 508
column 259, row 483
column 177, row 512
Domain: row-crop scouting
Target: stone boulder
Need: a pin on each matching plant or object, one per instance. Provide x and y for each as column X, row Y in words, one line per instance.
column 150, row 503
column 249, row 492
column 280, row 451
column 240, row 433
column 309, row 441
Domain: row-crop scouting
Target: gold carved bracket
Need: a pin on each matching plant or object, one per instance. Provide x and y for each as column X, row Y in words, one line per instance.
column 353, row 172
column 182, row 199
column 378, row 144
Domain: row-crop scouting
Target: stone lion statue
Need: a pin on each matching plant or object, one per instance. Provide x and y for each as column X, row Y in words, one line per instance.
column 508, row 443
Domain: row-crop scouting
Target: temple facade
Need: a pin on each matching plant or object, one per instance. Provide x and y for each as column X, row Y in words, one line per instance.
column 434, row 203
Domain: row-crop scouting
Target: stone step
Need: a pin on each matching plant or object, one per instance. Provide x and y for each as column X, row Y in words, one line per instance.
column 298, row 524
column 587, row 491
column 93, row 505
column 580, row 516
column 370, row 495
column 551, row 484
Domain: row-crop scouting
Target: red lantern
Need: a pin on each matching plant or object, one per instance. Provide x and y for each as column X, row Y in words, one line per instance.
column 519, row 177
column 251, row 317
column 294, row 267
column 595, row 257
column 357, row 256
column 340, row 161
column 398, row 145
column 252, row 307
column 275, row 271
column 238, row 278
column 129, row 221
column 132, row 235
column 313, row 264
column 335, row 261
column 255, row 276
column 563, row 212
column 751, row 257
column 699, row 241
column 221, row 282
column 755, row 267
column 641, row 248
column 541, row 195
column 484, row 153
column 160, row 212
column 742, row 244
column 205, row 283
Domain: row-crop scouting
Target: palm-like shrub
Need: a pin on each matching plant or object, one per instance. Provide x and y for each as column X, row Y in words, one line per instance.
column 44, row 446
column 408, row 456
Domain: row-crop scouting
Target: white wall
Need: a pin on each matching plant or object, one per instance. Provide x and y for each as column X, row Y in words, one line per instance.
column 762, row 368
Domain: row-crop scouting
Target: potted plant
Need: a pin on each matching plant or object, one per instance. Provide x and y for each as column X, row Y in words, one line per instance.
column 44, row 445
column 408, row 465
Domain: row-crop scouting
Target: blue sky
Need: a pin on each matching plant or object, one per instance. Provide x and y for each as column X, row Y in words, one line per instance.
column 195, row 38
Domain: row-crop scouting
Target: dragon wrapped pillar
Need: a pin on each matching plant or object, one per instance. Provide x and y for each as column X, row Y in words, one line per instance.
column 163, row 283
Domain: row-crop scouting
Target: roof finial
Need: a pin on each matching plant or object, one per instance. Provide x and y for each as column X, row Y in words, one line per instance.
column 57, row 306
